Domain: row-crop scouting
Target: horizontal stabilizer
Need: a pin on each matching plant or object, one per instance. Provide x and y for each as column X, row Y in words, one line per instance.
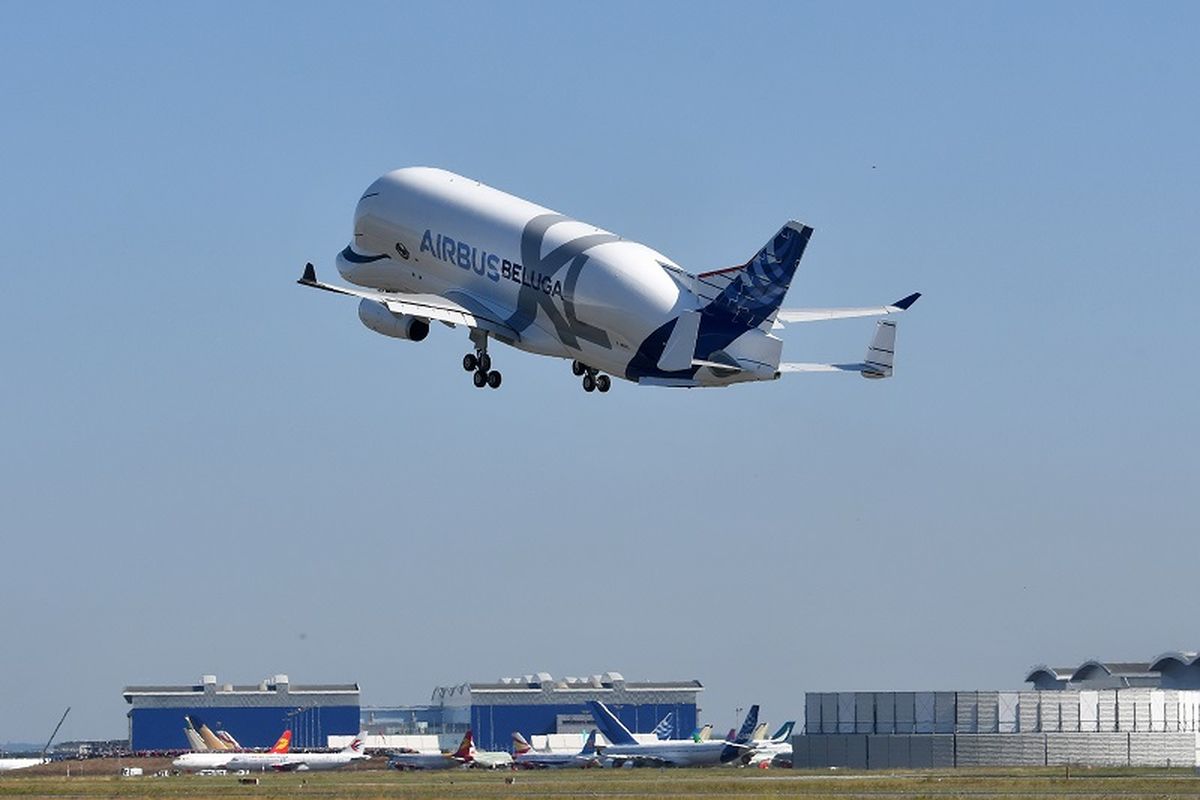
column 877, row 363
column 821, row 314
column 699, row 362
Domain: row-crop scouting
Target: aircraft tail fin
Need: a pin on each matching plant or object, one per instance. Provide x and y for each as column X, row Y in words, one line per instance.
column 208, row 736
column 227, row 738
column 665, row 729
column 194, row 741
column 731, row 750
column 356, row 745
column 609, row 725
column 760, row 732
column 465, row 747
column 748, row 725
column 520, row 745
column 589, row 747
column 283, row 744
column 752, row 293
column 785, row 732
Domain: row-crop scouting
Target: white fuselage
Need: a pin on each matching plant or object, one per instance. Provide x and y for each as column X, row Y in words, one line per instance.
column 677, row 752
column 546, row 759
column 8, row 764
column 424, row 761
column 192, row 762
column 768, row 750
column 568, row 288
column 298, row 762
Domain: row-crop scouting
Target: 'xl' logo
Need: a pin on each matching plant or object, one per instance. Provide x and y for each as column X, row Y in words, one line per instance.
column 570, row 328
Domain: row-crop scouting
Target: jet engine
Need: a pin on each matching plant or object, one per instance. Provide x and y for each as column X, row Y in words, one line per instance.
column 399, row 326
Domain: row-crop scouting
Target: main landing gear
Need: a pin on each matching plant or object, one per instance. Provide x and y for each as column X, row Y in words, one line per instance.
column 592, row 380
column 480, row 363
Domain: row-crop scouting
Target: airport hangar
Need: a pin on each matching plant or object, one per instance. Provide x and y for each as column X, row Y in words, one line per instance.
column 254, row 714
column 538, row 705
column 535, row 705
column 1096, row 714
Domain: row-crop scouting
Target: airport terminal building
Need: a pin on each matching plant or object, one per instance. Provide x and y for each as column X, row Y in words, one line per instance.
column 1096, row 714
column 254, row 714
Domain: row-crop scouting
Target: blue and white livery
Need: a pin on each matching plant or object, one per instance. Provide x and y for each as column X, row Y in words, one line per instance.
column 430, row 245
column 625, row 750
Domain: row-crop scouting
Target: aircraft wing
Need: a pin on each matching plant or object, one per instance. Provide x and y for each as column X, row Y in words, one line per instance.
column 819, row 314
column 465, row 311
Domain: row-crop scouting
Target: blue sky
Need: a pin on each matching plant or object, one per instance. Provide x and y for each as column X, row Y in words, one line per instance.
column 209, row 469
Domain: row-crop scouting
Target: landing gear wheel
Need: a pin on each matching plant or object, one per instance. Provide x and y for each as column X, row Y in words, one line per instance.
column 485, row 362
column 470, row 362
column 603, row 383
column 589, row 383
column 493, row 379
column 481, row 379
column 578, row 368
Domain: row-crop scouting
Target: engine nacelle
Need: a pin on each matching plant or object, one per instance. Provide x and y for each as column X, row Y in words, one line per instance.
column 399, row 326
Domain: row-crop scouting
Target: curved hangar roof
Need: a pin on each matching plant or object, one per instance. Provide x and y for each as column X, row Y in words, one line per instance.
column 1175, row 669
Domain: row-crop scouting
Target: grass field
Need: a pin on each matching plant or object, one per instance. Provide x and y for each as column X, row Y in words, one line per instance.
column 99, row 779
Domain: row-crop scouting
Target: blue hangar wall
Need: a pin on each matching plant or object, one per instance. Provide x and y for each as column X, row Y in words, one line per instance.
column 253, row 714
column 540, row 704
column 162, row 728
column 492, row 725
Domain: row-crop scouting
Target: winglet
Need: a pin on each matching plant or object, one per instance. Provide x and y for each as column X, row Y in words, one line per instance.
column 309, row 277
column 907, row 301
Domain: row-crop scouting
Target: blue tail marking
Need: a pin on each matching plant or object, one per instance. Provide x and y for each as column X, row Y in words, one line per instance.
column 609, row 725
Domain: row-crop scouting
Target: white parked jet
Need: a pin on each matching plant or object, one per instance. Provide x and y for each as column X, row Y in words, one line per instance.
column 299, row 762
column 525, row 756
column 776, row 751
column 627, row 750
column 220, row 759
column 410, row 760
column 430, row 245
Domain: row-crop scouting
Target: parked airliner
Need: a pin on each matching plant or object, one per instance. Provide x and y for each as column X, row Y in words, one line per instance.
column 432, row 246
column 299, row 762
column 220, row 759
column 403, row 760
column 525, row 756
column 626, row 750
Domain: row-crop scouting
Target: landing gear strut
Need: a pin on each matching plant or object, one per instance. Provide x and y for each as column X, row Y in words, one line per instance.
column 480, row 363
column 592, row 379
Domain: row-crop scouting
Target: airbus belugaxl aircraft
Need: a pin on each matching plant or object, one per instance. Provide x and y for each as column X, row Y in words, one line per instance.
column 430, row 245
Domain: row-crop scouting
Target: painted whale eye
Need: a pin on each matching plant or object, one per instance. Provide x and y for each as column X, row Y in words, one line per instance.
column 402, row 250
